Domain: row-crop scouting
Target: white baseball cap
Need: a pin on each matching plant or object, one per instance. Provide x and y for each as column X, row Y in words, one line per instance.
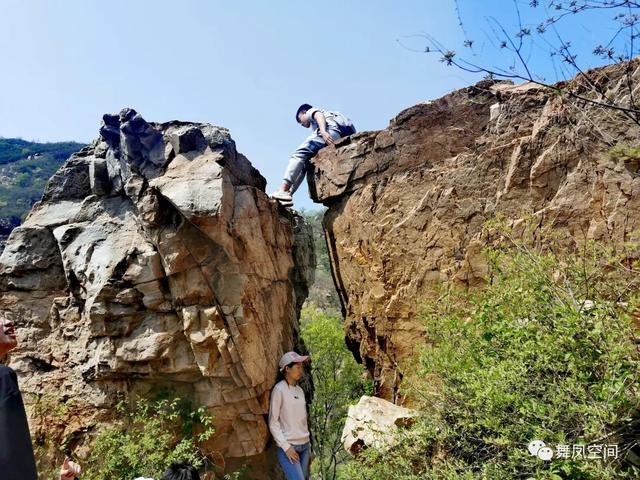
column 291, row 357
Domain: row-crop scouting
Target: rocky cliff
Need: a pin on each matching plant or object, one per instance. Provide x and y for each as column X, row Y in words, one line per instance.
column 156, row 260
column 407, row 204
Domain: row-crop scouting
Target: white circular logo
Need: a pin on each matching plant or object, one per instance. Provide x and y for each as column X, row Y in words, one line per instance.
column 540, row 450
column 535, row 445
column 545, row 453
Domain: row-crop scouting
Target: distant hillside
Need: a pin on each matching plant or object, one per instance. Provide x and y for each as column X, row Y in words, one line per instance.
column 323, row 292
column 25, row 168
column 14, row 149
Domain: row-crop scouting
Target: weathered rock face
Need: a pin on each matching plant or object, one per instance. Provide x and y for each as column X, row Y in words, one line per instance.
column 374, row 422
column 407, row 204
column 155, row 259
column 6, row 225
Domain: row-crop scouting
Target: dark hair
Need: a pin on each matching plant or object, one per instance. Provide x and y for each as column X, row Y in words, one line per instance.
column 181, row 471
column 302, row 108
column 281, row 372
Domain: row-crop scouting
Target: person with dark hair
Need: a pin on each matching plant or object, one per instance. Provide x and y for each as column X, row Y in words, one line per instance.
column 327, row 127
column 288, row 418
column 181, row 471
column 17, row 461
column 16, row 453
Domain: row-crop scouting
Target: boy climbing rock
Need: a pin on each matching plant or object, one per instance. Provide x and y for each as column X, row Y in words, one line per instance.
column 327, row 127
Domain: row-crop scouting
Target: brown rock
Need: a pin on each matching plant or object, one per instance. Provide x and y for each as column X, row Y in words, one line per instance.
column 407, row 204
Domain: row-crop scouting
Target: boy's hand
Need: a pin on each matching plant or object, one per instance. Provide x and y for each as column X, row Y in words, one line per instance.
column 327, row 138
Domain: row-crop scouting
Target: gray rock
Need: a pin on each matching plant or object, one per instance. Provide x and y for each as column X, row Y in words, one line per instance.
column 155, row 259
column 110, row 130
column 373, row 422
column 71, row 181
column 99, row 177
column 186, row 139
column 31, row 261
column 141, row 145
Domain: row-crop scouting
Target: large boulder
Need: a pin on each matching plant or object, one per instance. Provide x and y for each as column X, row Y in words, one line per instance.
column 374, row 422
column 156, row 260
column 407, row 204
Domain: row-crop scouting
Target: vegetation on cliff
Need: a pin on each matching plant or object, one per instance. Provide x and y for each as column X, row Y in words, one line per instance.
column 150, row 436
column 547, row 351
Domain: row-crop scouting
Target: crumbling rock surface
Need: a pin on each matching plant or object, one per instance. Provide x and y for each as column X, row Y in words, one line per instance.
column 374, row 422
column 407, row 204
column 156, row 260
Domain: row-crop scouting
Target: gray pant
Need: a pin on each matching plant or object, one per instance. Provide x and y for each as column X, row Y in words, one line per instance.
column 300, row 159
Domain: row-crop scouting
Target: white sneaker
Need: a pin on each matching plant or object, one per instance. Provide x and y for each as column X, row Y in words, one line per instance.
column 283, row 197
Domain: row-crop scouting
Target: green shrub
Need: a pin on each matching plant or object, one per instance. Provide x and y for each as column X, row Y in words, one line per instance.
column 545, row 351
column 338, row 382
column 150, row 437
column 625, row 152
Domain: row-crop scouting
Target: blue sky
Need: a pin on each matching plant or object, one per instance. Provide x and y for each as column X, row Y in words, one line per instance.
column 245, row 65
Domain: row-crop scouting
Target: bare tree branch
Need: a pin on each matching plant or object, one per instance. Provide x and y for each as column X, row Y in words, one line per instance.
column 521, row 45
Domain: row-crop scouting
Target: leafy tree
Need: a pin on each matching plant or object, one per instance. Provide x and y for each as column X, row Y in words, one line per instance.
column 323, row 292
column 338, row 382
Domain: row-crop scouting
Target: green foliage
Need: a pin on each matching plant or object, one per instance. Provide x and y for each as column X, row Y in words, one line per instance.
column 48, row 439
column 447, row 57
column 22, row 179
column 151, row 436
column 626, row 153
column 546, row 351
column 14, row 149
column 338, row 382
